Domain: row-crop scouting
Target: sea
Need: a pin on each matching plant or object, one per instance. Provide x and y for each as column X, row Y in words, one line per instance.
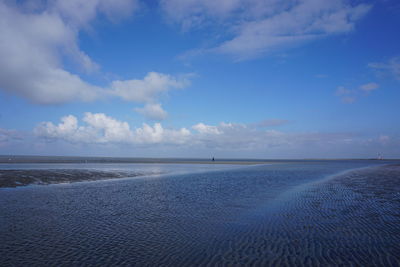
column 279, row 213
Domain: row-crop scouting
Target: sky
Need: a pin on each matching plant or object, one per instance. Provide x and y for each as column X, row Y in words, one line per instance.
column 272, row 79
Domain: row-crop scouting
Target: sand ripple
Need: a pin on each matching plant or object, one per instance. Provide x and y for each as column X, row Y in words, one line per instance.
column 262, row 216
column 352, row 219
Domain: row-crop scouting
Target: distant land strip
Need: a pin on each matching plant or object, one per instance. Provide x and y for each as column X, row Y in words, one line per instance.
column 72, row 159
column 67, row 159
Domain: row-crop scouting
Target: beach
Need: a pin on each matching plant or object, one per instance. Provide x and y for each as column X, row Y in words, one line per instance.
column 289, row 214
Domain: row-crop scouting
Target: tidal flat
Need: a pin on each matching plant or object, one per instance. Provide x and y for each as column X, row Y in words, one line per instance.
column 298, row 213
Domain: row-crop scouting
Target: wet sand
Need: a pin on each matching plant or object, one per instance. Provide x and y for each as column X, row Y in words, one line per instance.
column 14, row 178
column 320, row 214
column 351, row 219
column 381, row 183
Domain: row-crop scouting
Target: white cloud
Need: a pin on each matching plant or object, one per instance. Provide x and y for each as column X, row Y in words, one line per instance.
column 102, row 129
column 206, row 129
column 391, row 67
column 36, row 37
column 368, row 87
column 229, row 139
column 152, row 111
column 158, row 135
column 148, row 134
column 99, row 128
column 148, row 89
column 256, row 27
column 67, row 129
column 108, row 129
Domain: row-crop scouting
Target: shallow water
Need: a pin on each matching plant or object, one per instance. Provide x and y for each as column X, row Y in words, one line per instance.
column 21, row 174
column 308, row 213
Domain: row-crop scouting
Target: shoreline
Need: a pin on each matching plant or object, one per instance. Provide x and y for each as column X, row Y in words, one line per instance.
column 222, row 162
column 16, row 159
column 110, row 160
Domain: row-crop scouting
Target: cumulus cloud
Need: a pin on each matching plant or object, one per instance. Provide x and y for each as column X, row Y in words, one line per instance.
column 256, row 27
column 36, row 38
column 99, row 128
column 158, row 135
column 102, row 129
column 391, row 67
column 37, row 35
column 148, row 89
column 152, row 111
column 224, row 138
column 96, row 129
column 206, row 129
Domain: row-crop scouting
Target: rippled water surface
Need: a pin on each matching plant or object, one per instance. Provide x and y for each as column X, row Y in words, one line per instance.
column 305, row 213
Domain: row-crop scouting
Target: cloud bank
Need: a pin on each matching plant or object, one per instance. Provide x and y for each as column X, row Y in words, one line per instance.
column 100, row 129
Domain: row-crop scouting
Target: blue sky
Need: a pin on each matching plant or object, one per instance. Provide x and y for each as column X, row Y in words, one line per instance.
column 229, row 78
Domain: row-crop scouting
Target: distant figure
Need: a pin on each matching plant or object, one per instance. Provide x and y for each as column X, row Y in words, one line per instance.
column 213, row 159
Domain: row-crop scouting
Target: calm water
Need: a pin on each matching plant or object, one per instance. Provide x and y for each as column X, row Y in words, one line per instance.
column 304, row 213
